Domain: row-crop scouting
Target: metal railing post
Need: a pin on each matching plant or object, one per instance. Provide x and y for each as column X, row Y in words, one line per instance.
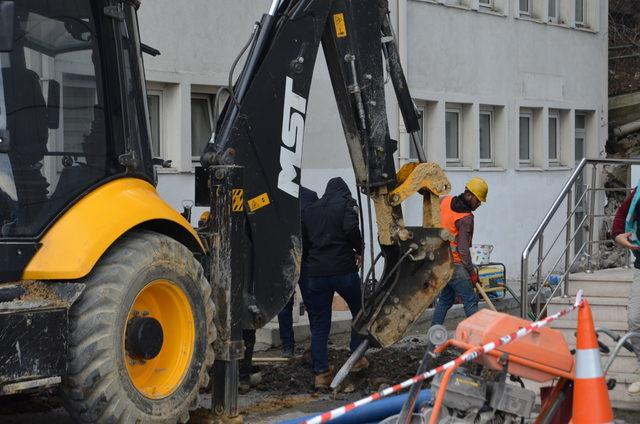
column 539, row 273
column 524, row 287
column 567, row 250
column 592, row 213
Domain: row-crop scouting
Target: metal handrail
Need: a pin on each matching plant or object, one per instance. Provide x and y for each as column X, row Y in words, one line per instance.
column 538, row 236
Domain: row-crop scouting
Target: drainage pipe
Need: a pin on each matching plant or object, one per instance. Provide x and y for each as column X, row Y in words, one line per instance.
column 373, row 412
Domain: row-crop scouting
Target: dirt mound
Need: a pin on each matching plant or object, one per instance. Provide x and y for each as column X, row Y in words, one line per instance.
column 387, row 367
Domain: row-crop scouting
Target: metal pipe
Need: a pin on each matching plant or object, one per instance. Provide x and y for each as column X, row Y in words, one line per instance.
column 592, row 211
column 409, row 405
column 539, row 273
column 346, row 368
column 524, row 287
column 567, row 252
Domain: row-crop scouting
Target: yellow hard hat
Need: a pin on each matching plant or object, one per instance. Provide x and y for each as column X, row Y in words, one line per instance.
column 479, row 188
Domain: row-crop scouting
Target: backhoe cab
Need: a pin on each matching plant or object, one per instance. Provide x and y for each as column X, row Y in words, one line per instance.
column 100, row 291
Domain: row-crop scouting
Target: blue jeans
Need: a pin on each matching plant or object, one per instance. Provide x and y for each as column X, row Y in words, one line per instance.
column 319, row 293
column 461, row 285
column 285, row 325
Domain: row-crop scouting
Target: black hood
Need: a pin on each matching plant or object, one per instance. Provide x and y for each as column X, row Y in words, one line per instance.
column 336, row 187
column 307, row 197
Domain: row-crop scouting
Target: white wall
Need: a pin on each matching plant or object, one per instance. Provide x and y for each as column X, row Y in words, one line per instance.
column 451, row 54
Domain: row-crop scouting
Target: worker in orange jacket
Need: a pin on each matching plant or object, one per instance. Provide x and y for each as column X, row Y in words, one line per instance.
column 457, row 218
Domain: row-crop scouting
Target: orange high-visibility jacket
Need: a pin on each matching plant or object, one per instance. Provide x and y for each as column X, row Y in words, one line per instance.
column 449, row 219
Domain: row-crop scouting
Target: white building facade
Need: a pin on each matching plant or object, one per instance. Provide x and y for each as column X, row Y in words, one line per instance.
column 513, row 91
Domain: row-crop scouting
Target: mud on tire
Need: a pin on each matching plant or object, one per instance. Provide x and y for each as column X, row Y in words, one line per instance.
column 97, row 387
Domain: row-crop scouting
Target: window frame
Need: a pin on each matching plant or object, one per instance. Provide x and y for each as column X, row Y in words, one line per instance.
column 458, row 160
column 526, row 113
column 161, row 148
column 526, row 12
column 491, row 160
column 553, row 19
column 486, row 3
column 210, row 98
column 580, row 133
column 555, row 161
column 580, row 23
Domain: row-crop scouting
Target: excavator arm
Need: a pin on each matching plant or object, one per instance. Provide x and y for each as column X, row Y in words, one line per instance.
column 261, row 129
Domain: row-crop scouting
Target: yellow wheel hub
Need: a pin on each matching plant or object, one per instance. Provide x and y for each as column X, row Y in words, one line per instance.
column 161, row 375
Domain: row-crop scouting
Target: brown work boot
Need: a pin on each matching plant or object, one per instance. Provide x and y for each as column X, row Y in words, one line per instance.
column 323, row 381
column 362, row 364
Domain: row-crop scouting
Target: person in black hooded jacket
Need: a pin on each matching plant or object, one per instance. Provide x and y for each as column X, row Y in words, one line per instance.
column 333, row 242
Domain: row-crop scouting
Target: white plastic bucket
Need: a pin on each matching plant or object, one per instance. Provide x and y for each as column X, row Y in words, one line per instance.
column 481, row 254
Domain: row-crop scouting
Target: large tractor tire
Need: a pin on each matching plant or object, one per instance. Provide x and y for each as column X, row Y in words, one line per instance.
column 141, row 335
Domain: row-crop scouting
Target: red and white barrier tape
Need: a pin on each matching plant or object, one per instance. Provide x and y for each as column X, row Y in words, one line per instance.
column 480, row 350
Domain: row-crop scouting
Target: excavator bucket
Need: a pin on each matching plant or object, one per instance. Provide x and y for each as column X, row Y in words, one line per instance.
column 417, row 259
column 388, row 314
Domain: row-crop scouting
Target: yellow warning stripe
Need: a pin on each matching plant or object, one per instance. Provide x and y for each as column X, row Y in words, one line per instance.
column 236, row 200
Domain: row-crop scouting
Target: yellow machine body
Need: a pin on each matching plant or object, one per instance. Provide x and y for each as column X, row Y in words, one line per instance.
column 77, row 240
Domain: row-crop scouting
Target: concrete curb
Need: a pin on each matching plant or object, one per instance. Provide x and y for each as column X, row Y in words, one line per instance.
column 268, row 337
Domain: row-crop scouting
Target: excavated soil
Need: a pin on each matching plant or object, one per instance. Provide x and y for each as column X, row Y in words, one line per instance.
column 387, row 367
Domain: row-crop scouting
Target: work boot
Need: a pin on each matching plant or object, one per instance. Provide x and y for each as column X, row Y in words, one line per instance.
column 287, row 351
column 323, row 380
column 634, row 389
column 248, row 382
column 362, row 364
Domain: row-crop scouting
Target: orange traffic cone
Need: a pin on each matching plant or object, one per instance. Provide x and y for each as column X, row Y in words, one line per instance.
column 590, row 397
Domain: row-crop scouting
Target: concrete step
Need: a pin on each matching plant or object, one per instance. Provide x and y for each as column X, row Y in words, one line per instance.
column 594, row 288
column 619, row 397
column 603, row 283
column 569, row 335
column 613, row 309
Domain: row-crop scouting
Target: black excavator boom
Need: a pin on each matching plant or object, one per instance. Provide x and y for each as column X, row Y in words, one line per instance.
column 260, row 134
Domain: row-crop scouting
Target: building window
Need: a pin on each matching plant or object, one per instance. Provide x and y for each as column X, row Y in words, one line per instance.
column 413, row 154
column 581, row 136
column 554, row 137
column 553, row 11
column 580, row 13
column 154, row 103
column 525, row 7
column 486, row 3
column 201, row 123
column 526, row 137
column 452, row 135
column 486, row 137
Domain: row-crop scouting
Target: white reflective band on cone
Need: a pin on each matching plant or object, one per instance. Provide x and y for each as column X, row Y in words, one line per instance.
column 588, row 363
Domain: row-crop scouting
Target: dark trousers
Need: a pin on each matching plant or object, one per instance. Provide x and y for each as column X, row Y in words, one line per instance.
column 461, row 285
column 249, row 338
column 319, row 293
column 285, row 325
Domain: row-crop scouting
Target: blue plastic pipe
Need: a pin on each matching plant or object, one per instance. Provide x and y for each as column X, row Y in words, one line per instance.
column 372, row 412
